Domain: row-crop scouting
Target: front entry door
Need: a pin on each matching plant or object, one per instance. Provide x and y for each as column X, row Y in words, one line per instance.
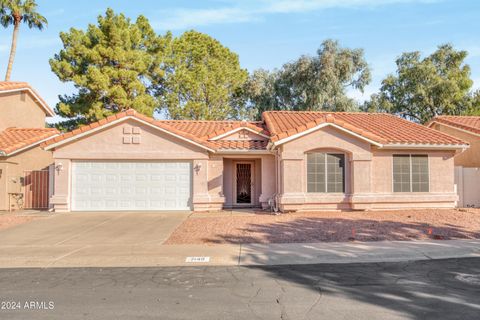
column 243, row 183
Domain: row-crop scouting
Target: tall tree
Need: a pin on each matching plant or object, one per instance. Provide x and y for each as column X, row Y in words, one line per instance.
column 424, row 88
column 16, row 12
column 202, row 79
column 261, row 93
column 115, row 65
column 320, row 82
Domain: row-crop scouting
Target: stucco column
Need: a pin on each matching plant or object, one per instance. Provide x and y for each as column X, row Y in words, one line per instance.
column 268, row 179
column 292, row 180
column 201, row 198
column 361, row 180
column 3, row 187
column 62, row 182
column 215, row 182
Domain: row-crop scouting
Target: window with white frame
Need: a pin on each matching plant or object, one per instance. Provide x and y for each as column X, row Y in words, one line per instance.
column 325, row 172
column 410, row 173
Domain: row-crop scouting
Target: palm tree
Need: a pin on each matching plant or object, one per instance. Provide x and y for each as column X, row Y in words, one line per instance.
column 15, row 12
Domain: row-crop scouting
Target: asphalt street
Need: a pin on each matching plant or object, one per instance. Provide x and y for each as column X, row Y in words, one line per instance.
column 433, row 289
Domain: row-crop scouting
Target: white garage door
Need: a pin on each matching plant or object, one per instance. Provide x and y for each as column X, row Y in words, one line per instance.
column 131, row 185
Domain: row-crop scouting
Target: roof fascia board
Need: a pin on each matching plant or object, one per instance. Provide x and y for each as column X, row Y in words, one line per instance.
column 453, row 127
column 38, row 99
column 92, row 131
column 234, row 151
column 27, row 147
column 223, row 135
column 320, row 126
column 426, row 146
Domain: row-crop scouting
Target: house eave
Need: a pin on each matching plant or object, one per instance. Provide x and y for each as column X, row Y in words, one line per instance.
column 236, row 151
column 226, row 134
column 453, row 127
column 320, row 126
column 38, row 100
column 32, row 145
column 92, row 131
column 406, row 146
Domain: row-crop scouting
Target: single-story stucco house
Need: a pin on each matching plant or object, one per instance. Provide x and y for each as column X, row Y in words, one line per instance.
column 467, row 164
column 290, row 161
column 24, row 178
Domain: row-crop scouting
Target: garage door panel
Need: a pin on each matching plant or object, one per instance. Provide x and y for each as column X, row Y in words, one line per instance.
column 98, row 186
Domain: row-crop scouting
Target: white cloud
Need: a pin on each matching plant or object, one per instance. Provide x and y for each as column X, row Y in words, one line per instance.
column 55, row 13
column 31, row 43
column 186, row 18
column 250, row 10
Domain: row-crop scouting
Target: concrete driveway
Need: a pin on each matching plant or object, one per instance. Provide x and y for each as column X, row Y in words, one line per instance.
column 85, row 236
column 95, row 228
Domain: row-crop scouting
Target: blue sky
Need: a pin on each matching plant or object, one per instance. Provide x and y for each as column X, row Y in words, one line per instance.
column 265, row 33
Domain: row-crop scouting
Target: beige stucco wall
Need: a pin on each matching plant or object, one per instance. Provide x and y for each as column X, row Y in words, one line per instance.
column 13, row 169
column 18, row 109
column 293, row 193
column 368, row 175
column 264, row 178
column 470, row 158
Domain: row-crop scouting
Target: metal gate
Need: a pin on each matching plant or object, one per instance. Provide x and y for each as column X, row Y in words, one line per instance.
column 36, row 186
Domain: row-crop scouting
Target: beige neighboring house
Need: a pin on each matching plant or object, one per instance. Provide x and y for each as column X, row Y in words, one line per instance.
column 290, row 161
column 467, row 164
column 24, row 165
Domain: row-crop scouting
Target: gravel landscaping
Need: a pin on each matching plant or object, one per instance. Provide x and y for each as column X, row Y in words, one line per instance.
column 8, row 220
column 440, row 224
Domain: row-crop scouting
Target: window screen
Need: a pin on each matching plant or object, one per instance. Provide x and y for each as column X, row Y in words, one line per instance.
column 325, row 172
column 410, row 173
column 419, row 173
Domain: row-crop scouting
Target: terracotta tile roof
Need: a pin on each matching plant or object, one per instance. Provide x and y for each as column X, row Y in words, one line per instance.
column 12, row 85
column 15, row 85
column 379, row 127
column 196, row 131
column 13, row 139
column 240, row 144
column 130, row 113
column 469, row 123
column 210, row 129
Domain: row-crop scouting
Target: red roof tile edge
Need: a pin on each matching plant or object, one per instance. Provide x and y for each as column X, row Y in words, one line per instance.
column 44, row 133
column 450, row 120
column 271, row 126
column 9, row 86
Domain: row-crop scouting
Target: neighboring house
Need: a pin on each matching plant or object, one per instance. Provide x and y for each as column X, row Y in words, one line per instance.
column 289, row 160
column 467, row 171
column 22, row 129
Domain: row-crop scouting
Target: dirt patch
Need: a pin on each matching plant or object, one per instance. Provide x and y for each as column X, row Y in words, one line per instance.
column 439, row 224
column 9, row 220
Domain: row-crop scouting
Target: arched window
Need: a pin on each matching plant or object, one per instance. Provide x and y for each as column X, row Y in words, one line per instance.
column 326, row 172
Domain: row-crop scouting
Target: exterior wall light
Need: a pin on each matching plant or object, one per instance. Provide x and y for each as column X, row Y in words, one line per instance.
column 59, row 167
column 197, row 168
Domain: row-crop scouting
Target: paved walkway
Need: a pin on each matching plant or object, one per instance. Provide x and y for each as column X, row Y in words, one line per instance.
column 145, row 255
